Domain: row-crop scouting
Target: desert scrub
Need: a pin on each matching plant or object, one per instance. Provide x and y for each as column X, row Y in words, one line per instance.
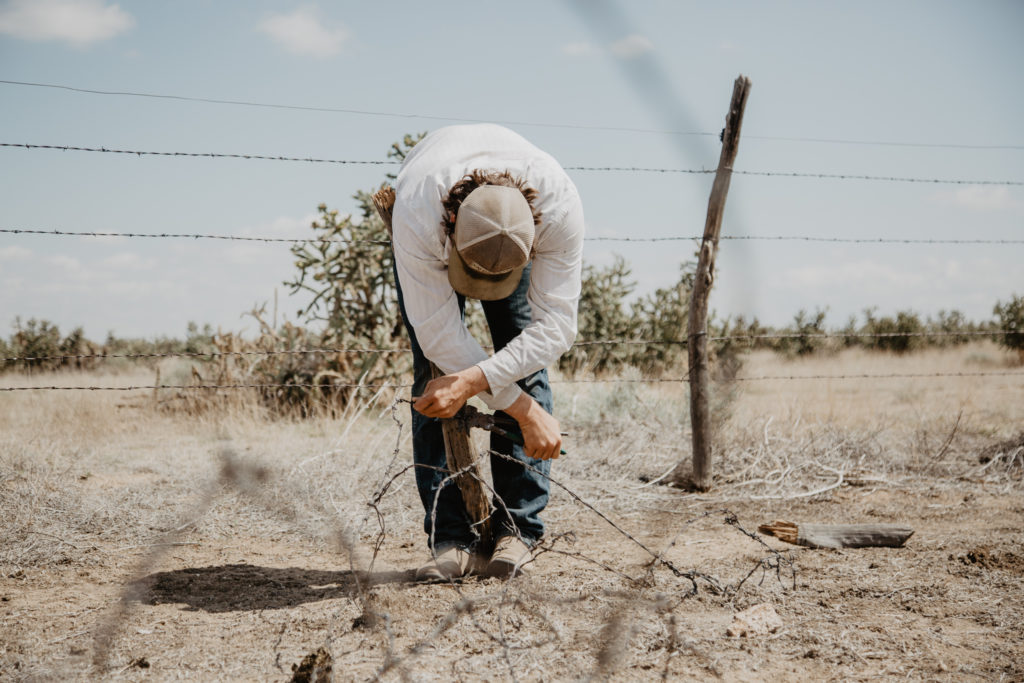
column 1010, row 316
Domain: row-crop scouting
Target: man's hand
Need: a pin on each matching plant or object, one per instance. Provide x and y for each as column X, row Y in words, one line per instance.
column 542, row 437
column 443, row 396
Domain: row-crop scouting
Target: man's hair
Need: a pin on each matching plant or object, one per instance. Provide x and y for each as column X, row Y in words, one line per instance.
column 475, row 179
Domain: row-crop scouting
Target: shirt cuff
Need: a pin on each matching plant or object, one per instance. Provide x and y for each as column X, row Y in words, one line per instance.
column 498, row 398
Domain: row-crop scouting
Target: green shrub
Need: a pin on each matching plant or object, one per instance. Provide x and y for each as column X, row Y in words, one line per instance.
column 662, row 318
column 38, row 340
column 807, row 330
column 602, row 315
column 1011, row 322
column 899, row 335
column 949, row 329
column 349, row 272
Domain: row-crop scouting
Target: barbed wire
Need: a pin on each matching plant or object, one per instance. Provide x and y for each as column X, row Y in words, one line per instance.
column 201, row 354
column 208, row 155
column 539, row 124
column 330, row 240
column 360, row 112
column 866, row 240
column 651, row 380
column 193, row 236
column 894, row 179
column 925, row 375
column 595, row 342
column 860, row 335
column 616, row 169
column 808, row 238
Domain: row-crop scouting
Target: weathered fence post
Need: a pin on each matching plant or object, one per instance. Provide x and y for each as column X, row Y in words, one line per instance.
column 458, row 447
column 697, row 338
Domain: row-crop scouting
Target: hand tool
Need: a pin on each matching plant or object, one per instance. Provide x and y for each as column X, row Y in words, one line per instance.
column 469, row 416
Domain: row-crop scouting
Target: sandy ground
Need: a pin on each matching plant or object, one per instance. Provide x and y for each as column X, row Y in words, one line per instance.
column 128, row 555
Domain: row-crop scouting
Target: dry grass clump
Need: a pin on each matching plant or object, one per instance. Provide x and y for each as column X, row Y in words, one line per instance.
column 84, row 473
column 285, row 381
column 792, row 438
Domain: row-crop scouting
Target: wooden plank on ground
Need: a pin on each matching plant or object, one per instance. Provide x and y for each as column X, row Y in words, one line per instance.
column 839, row 535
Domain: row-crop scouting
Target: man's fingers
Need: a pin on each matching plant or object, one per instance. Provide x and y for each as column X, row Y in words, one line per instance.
column 424, row 405
column 544, row 451
column 433, row 405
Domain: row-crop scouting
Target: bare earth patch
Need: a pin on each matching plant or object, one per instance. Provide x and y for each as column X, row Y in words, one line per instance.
column 142, row 545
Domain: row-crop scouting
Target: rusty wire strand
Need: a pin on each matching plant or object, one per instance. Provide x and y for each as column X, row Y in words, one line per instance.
column 572, row 126
column 595, row 342
column 623, row 169
column 670, row 238
column 650, row 380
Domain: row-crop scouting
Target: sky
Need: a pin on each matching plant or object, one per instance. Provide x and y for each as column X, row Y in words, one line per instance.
column 910, row 89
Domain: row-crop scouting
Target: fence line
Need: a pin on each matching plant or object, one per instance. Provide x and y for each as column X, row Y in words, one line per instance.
column 328, row 240
column 653, row 380
column 209, row 155
column 433, row 117
column 596, row 342
column 625, row 169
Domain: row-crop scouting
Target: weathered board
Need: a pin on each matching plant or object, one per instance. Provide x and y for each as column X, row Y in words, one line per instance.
column 839, row 535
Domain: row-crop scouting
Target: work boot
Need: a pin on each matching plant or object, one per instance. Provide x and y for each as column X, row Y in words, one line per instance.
column 451, row 563
column 510, row 554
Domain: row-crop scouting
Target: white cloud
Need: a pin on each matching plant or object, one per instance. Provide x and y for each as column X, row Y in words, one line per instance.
column 78, row 22
column 13, row 284
column 860, row 275
column 127, row 260
column 982, row 198
column 303, row 33
column 67, row 263
column 283, row 227
column 579, row 49
column 631, row 46
column 14, row 253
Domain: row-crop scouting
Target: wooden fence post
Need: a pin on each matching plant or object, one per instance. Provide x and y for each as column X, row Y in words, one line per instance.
column 460, row 456
column 697, row 338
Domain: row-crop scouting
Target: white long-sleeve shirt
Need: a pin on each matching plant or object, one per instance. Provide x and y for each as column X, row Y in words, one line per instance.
column 422, row 248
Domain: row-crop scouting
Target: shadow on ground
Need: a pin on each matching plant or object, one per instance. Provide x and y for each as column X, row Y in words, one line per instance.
column 240, row 587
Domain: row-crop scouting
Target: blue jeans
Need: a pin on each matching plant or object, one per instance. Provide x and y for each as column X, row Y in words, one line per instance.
column 521, row 494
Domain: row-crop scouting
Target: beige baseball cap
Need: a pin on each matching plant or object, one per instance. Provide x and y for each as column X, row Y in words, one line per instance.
column 493, row 240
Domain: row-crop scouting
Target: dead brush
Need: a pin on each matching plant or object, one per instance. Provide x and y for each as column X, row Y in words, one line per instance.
column 293, row 372
column 1003, row 459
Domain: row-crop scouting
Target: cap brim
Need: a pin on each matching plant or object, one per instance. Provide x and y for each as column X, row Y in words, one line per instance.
column 477, row 286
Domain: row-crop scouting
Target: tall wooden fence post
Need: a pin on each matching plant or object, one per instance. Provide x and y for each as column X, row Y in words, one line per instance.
column 697, row 338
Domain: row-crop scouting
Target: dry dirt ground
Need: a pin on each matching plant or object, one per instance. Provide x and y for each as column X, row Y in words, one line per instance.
column 144, row 545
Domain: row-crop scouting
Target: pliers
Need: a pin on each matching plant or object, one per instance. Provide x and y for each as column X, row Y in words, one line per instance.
column 468, row 416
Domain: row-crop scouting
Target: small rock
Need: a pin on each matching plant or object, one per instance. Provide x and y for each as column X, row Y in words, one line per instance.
column 755, row 621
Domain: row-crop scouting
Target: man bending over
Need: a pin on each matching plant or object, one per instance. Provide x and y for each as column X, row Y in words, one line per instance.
column 482, row 213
